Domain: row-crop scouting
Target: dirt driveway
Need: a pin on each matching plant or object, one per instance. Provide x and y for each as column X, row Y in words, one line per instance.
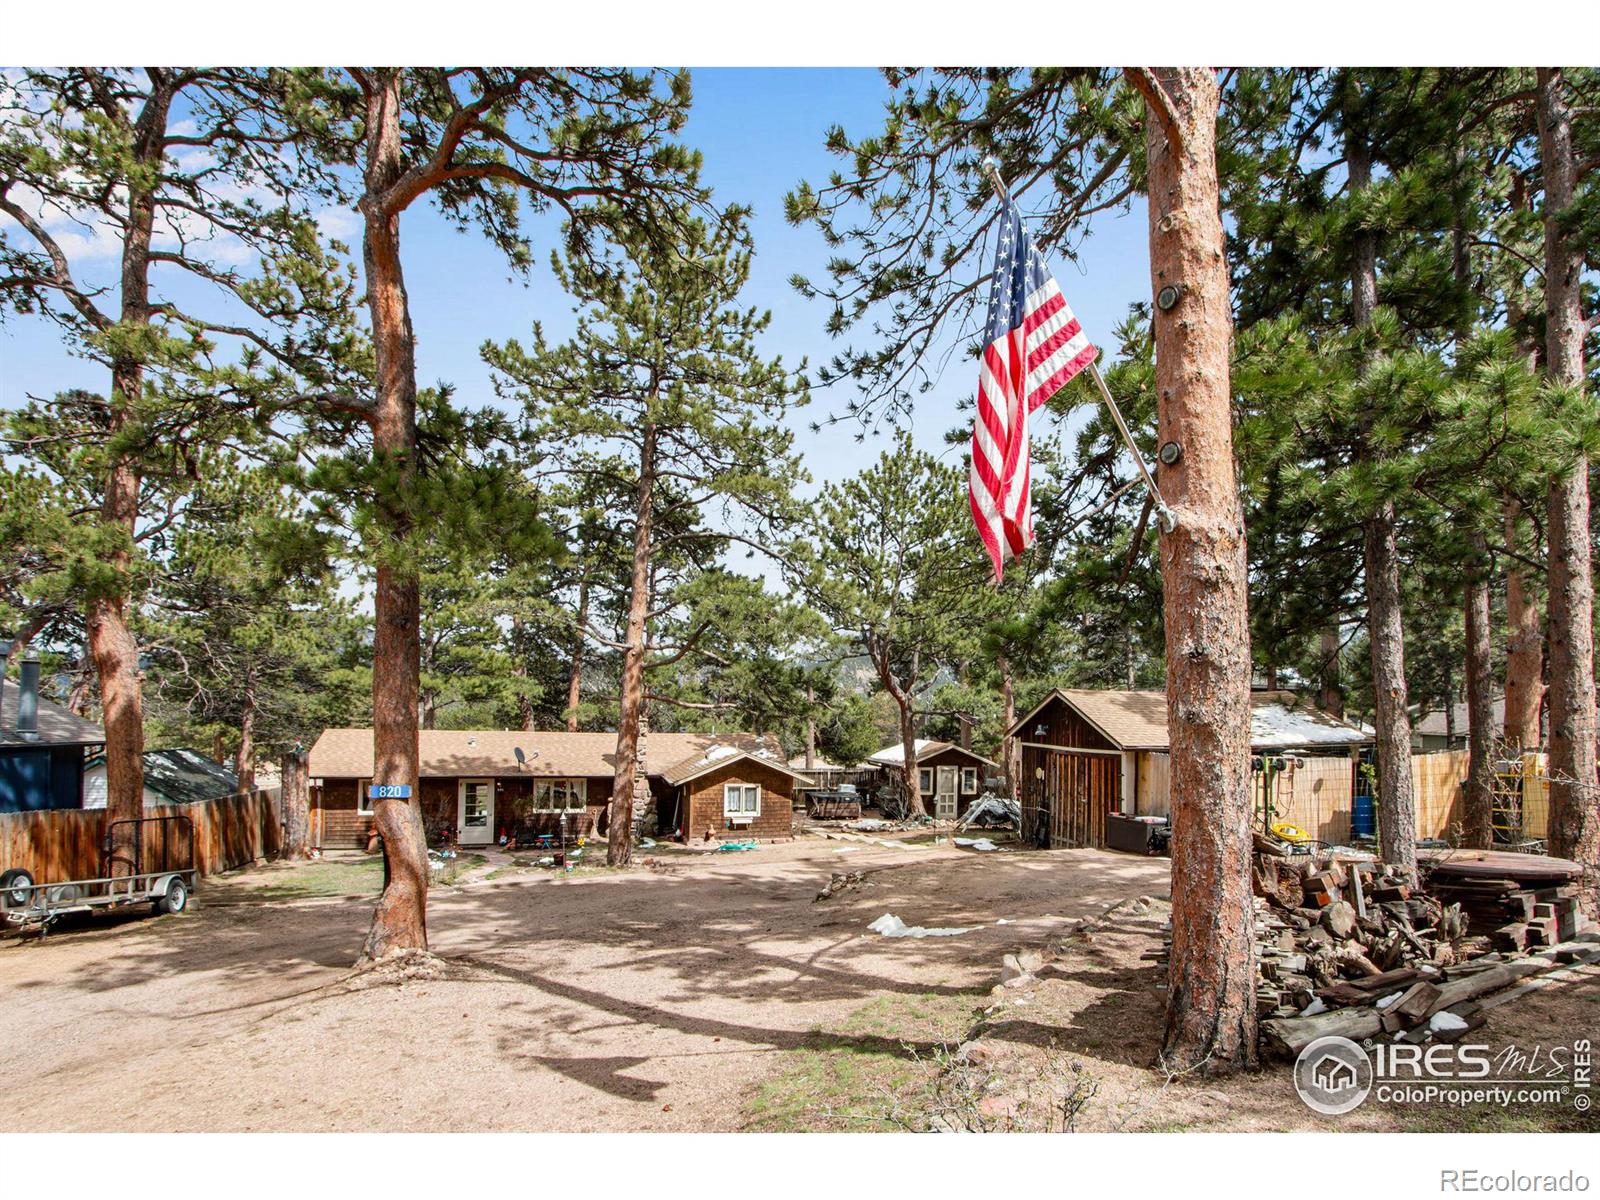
column 649, row 1000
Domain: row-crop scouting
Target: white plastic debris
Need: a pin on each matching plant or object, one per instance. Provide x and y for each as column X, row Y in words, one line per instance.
column 1388, row 1000
column 647, row 843
column 1441, row 1021
column 1316, row 1006
column 976, row 843
column 892, row 926
column 1003, row 921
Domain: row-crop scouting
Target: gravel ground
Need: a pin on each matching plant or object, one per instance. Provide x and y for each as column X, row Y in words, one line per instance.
column 669, row 997
column 652, row 999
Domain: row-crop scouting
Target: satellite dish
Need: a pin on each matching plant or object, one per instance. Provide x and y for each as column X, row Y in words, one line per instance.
column 521, row 757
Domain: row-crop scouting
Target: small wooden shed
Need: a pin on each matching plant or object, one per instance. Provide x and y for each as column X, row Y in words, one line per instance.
column 948, row 775
column 1089, row 752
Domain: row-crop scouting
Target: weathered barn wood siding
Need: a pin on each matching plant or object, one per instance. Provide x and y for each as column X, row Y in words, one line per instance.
column 1152, row 797
column 68, row 843
column 1063, row 727
column 703, row 803
column 1074, row 795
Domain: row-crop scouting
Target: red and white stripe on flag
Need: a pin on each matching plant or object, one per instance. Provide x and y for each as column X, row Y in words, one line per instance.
column 1021, row 370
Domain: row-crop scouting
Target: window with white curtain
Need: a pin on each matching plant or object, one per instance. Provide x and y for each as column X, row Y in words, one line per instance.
column 741, row 800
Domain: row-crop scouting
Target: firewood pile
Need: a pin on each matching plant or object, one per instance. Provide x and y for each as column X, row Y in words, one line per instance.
column 1349, row 945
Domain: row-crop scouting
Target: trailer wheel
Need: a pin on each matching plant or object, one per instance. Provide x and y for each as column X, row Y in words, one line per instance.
column 14, row 885
column 176, row 899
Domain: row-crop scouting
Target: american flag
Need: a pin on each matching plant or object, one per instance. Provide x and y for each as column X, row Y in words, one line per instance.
column 1032, row 346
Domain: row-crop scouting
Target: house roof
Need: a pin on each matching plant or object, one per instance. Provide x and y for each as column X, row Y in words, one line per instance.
column 1137, row 720
column 1434, row 724
column 347, row 753
column 716, row 757
column 183, row 776
column 926, row 748
column 57, row 726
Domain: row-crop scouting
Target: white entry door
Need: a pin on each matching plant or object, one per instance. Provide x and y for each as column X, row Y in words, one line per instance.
column 944, row 794
column 475, row 812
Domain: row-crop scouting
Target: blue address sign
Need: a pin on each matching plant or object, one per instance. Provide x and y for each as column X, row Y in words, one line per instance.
column 389, row 791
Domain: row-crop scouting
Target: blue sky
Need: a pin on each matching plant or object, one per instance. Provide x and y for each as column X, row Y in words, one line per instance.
column 761, row 131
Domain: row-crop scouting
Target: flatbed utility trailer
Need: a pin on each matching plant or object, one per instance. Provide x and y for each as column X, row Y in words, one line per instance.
column 164, row 879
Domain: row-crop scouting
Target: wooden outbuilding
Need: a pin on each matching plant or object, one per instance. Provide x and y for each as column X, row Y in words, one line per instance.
column 479, row 786
column 1087, row 753
column 949, row 777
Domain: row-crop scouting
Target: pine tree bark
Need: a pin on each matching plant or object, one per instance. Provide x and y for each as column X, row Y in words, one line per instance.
column 296, row 806
column 575, row 675
column 1574, row 816
column 811, row 728
column 619, row 840
column 244, row 760
column 1010, row 750
column 1397, row 815
column 906, row 713
column 112, row 646
column 399, row 921
column 1524, row 691
column 1330, row 689
column 1478, row 817
column 1211, row 1015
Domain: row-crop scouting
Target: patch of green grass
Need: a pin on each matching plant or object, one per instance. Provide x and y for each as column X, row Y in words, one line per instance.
column 326, row 877
column 865, row 1074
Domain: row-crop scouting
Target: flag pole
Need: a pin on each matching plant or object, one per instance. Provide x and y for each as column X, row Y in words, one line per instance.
column 1168, row 519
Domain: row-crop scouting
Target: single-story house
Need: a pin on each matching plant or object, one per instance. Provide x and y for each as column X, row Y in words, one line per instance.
column 480, row 785
column 1090, row 752
column 951, row 775
column 170, row 777
column 42, row 748
column 1430, row 731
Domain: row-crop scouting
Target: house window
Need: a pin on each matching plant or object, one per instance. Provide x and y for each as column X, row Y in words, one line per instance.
column 925, row 780
column 741, row 800
column 969, row 781
column 363, row 800
column 560, row 795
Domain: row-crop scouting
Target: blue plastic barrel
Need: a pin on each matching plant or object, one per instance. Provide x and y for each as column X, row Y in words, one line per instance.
column 1363, row 817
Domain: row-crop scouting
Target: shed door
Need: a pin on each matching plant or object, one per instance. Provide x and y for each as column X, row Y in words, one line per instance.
column 944, row 793
column 475, row 812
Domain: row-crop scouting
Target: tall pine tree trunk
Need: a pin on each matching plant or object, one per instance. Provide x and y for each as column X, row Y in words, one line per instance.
column 1330, row 689
column 400, row 920
column 1211, row 1004
column 619, row 841
column 1524, row 693
column 296, row 806
column 811, row 728
column 1010, row 750
column 575, row 675
column 111, row 642
column 901, row 693
column 1397, row 815
column 244, row 760
column 1574, row 819
column 1478, row 817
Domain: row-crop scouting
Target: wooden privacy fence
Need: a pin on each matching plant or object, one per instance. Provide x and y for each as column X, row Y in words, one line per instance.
column 1522, row 795
column 1317, row 794
column 68, row 843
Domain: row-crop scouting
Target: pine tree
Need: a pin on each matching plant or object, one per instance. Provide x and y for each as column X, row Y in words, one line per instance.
column 664, row 365
column 485, row 144
column 181, row 167
column 898, row 568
